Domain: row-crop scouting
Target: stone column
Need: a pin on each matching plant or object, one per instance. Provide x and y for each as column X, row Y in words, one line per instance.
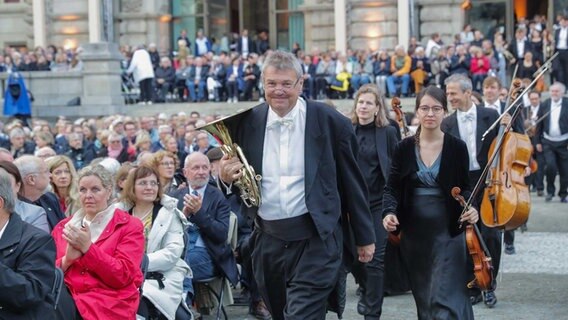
column 403, row 23
column 101, row 79
column 340, row 26
column 40, row 36
column 95, row 21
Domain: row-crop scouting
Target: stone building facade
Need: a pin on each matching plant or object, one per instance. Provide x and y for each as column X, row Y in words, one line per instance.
column 313, row 24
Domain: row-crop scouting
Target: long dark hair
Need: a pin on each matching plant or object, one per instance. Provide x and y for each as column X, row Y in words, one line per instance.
column 436, row 94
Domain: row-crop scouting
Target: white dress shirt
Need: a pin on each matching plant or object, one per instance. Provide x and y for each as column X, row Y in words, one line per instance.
column 554, row 133
column 520, row 49
column 201, row 192
column 534, row 113
column 495, row 106
column 467, row 124
column 283, row 170
column 562, row 39
column 4, row 228
column 245, row 46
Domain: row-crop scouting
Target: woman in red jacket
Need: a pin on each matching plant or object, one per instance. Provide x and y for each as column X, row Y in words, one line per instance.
column 100, row 249
column 479, row 67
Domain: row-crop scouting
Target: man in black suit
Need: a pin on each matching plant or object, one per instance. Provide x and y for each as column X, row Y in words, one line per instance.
column 552, row 140
column 468, row 123
column 309, row 176
column 491, row 88
column 519, row 46
column 536, row 180
column 309, row 77
column 207, row 251
column 27, row 268
column 245, row 45
column 561, row 41
column 35, row 182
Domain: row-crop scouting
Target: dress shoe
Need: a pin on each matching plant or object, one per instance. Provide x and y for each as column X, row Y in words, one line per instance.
column 260, row 311
column 509, row 249
column 564, row 200
column 548, row 198
column 540, row 193
column 475, row 299
column 489, row 298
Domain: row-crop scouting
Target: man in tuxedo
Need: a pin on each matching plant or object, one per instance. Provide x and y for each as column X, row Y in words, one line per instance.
column 519, row 46
column 309, row 77
column 35, row 183
column 310, row 177
column 561, row 41
column 536, row 180
column 207, row 251
column 468, row 123
column 552, row 140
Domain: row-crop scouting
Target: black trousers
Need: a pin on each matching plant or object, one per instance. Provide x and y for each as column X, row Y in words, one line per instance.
column 561, row 67
column 66, row 308
column 370, row 276
column 295, row 278
column 536, row 180
column 146, row 89
column 556, row 157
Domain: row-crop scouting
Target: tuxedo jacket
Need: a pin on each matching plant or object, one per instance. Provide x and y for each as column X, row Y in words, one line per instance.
column 454, row 172
column 544, row 125
column 332, row 177
column 385, row 140
column 485, row 118
column 213, row 222
column 513, row 49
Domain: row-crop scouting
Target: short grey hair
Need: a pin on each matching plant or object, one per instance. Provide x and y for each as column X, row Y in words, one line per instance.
column 463, row 81
column 6, row 191
column 282, row 60
column 99, row 172
column 28, row 164
column 560, row 86
column 17, row 132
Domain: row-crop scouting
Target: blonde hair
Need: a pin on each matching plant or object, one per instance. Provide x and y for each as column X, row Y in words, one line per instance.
column 73, row 194
column 381, row 119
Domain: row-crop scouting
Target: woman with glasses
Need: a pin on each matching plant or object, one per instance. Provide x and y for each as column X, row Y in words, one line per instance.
column 64, row 182
column 417, row 201
column 164, row 227
column 166, row 164
column 100, row 250
column 376, row 139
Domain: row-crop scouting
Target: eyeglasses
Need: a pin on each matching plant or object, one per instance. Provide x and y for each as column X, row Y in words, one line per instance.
column 426, row 109
column 285, row 85
column 145, row 183
column 168, row 164
column 114, row 141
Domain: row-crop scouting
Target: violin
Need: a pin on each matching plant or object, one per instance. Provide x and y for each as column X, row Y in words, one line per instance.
column 400, row 118
column 506, row 199
column 482, row 263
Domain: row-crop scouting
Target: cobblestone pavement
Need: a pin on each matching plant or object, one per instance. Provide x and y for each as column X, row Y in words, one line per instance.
column 533, row 285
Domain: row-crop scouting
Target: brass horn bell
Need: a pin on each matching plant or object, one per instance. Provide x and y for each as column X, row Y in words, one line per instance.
column 249, row 182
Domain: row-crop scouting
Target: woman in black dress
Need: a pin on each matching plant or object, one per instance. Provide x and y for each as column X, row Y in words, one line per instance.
column 376, row 139
column 417, row 201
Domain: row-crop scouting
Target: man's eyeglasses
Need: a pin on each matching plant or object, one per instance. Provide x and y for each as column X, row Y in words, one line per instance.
column 285, row 85
column 426, row 109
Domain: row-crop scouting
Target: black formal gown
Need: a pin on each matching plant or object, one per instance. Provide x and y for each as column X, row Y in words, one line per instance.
column 436, row 261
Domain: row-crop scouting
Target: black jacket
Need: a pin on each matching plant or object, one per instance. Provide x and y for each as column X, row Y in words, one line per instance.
column 49, row 202
column 454, row 172
column 544, row 125
column 27, row 271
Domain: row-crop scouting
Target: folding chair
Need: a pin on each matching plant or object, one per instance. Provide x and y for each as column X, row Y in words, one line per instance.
column 219, row 286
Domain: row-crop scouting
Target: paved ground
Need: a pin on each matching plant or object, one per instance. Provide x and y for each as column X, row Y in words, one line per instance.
column 533, row 285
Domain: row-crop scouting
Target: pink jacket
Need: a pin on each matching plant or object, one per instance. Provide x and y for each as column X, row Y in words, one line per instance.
column 483, row 69
column 104, row 282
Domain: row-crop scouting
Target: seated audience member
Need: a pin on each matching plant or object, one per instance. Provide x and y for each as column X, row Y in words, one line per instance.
column 64, row 183
column 17, row 144
column 234, row 81
column 166, row 164
column 44, row 153
column 35, row 185
column 400, row 71
column 27, row 272
column 164, row 77
column 100, row 249
column 79, row 154
column 164, row 226
column 29, row 213
column 207, row 251
column 197, row 78
column 117, row 150
column 202, row 143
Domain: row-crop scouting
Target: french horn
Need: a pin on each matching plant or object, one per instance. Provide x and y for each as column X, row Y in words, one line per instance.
column 249, row 182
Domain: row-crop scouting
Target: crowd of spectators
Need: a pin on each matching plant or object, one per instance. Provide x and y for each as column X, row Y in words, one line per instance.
column 52, row 58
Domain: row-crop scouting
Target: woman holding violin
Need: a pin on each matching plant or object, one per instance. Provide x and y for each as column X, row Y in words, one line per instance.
column 376, row 139
column 417, row 200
